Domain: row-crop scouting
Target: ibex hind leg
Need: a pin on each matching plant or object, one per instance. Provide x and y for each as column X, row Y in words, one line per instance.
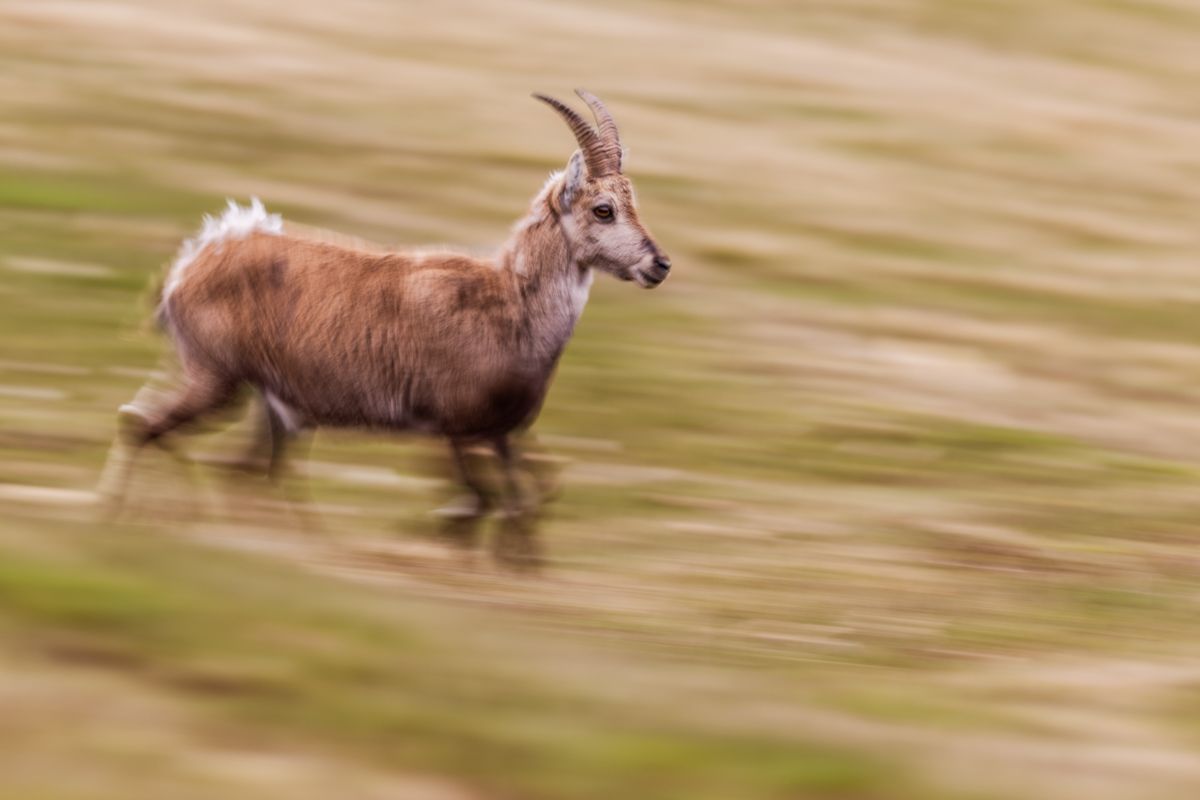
column 122, row 456
column 148, row 419
column 286, row 432
column 516, row 543
column 259, row 454
column 277, row 431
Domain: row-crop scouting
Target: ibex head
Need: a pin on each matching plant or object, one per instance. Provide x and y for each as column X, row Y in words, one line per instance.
column 596, row 202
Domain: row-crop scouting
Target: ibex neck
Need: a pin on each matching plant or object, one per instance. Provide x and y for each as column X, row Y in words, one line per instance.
column 552, row 287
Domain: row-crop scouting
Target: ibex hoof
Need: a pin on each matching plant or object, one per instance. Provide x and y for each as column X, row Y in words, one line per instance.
column 524, row 559
column 461, row 508
column 238, row 467
column 516, row 545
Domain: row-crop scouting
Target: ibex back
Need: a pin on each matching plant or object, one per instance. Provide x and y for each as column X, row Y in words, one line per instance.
column 436, row 342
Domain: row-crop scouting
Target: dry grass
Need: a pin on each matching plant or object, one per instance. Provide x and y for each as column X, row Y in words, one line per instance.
column 889, row 492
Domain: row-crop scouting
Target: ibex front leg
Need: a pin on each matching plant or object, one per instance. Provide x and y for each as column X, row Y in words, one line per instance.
column 462, row 515
column 516, row 542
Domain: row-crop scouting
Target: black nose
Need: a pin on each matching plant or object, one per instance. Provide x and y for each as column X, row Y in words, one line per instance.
column 663, row 263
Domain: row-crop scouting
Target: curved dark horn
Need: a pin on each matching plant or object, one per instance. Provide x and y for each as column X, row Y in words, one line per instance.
column 608, row 126
column 594, row 151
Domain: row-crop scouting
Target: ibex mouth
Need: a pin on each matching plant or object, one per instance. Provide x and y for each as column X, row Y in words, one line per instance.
column 647, row 280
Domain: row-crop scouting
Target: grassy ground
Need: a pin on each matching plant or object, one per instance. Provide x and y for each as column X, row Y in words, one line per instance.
column 888, row 493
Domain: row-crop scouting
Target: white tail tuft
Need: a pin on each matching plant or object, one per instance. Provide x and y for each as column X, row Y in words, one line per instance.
column 235, row 223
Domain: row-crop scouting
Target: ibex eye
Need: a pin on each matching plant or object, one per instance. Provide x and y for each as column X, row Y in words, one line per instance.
column 604, row 212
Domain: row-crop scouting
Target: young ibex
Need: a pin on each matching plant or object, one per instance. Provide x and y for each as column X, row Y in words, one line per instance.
column 436, row 342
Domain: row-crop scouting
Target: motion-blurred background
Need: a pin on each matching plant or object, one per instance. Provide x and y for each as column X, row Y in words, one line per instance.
column 890, row 492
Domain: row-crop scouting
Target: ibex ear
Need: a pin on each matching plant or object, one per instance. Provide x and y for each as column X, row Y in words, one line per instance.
column 572, row 180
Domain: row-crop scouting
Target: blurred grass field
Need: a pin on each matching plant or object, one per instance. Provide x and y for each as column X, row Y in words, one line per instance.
column 890, row 491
